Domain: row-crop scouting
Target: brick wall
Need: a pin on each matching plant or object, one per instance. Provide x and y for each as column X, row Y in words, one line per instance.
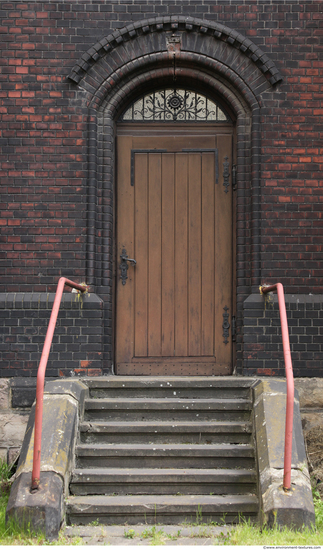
column 77, row 342
column 54, row 222
column 291, row 150
column 263, row 348
column 44, row 138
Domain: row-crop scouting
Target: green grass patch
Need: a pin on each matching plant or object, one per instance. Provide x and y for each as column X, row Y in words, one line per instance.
column 247, row 534
column 156, row 536
column 318, row 507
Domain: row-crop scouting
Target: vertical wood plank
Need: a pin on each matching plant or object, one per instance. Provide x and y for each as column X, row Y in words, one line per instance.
column 141, row 254
column 208, row 253
column 194, row 246
column 181, row 254
column 154, row 254
column 125, row 213
column 167, row 259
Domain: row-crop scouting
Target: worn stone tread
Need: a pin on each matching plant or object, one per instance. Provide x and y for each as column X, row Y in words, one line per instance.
column 214, row 426
column 132, row 404
column 170, row 381
column 159, row 481
column 238, row 450
column 138, row 475
column 133, row 504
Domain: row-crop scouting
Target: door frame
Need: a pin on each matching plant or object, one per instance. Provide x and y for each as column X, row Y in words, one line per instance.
column 145, row 129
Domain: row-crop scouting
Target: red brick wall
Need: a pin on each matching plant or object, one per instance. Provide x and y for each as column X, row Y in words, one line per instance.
column 43, row 157
column 49, row 206
column 43, row 139
column 292, row 157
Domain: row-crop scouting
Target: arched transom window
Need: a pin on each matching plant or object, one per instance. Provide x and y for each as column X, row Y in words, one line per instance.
column 169, row 105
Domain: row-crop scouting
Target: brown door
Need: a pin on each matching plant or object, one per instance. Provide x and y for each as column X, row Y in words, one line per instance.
column 174, row 218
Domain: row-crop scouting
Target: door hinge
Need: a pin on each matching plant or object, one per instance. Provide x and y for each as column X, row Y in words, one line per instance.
column 226, row 174
column 226, row 326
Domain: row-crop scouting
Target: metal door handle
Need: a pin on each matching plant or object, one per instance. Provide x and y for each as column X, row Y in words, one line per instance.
column 124, row 265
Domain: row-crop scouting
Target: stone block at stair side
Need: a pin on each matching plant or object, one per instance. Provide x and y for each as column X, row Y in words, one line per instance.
column 41, row 511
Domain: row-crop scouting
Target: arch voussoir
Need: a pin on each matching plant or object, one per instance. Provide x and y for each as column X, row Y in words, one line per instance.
column 151, row 27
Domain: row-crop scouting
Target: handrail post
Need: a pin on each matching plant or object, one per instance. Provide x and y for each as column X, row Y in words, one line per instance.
column 35, row 480
column 289, row 382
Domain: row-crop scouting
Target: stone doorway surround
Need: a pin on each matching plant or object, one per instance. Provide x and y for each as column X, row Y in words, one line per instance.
column 147, row 54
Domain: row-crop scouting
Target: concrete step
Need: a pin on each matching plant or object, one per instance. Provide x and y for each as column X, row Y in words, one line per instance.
column 136, row 481
column 143, row 535
column 167, row 409
column 165, row 450
column 165, row 432
column 153, row 509
column 182, row 387
column 165, row 456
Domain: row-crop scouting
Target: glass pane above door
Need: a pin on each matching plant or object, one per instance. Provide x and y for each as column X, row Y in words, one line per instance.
column 171, row 105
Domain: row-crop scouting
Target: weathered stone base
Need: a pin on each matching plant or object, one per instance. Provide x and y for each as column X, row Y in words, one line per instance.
column 12, row 424
column 294, row 508
column 310, row 392
column 41, row 511
column 44, row 509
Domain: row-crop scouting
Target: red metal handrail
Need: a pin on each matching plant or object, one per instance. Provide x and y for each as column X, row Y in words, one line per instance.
column 289, row 381
column 41, row 377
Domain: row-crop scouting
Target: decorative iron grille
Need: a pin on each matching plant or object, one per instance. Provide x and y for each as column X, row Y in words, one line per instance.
column 171, row 105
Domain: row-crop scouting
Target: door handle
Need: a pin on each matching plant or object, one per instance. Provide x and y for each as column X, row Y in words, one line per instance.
column 124, row 265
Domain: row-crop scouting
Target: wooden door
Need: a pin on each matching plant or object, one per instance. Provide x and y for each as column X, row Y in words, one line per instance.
column 174, row 217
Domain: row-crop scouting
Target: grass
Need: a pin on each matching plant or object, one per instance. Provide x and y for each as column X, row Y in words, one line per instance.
column 130, row 533
column 156, row 536
column 246, row 534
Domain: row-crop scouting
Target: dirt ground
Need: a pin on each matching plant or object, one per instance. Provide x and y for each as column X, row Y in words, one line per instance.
column 314, row 447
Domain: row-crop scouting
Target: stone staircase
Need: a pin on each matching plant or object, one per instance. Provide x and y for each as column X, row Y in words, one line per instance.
column 165, row 450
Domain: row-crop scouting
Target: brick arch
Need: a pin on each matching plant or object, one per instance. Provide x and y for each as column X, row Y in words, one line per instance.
column 190, row 66
column 129, row 51
column 158, row 25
